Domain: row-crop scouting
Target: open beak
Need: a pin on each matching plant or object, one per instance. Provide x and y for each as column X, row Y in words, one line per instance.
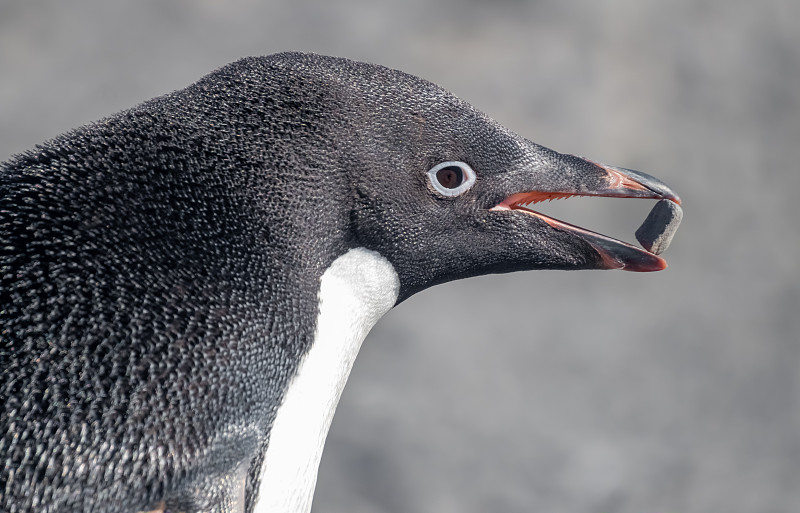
column 606, row 181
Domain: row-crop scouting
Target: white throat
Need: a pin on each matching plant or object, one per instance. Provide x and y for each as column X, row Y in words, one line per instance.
column 355, row 291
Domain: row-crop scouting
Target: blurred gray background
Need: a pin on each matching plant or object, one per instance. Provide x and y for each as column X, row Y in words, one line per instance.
column 546, row 391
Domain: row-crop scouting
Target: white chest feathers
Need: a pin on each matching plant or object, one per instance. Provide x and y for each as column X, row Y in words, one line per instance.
column 356, row 290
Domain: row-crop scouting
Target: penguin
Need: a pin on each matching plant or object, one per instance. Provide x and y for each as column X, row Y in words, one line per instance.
column 186, row 284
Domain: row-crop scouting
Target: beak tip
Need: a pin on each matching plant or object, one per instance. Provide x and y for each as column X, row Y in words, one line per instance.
column 616, row 255
column 637, row 179
column 656, row 264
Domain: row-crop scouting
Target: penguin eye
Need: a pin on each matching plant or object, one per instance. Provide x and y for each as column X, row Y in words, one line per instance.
column 451, row 178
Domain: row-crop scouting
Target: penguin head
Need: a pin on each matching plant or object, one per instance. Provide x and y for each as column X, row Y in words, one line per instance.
column 432, row 184
column 442, row 191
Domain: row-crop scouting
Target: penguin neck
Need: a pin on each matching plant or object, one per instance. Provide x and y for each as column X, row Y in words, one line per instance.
column 355, row 291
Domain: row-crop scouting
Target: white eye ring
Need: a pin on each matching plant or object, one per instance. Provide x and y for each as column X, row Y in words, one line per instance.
column 451, row 178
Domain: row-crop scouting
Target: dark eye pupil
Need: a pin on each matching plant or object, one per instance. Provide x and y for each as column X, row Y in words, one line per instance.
column 450, row 177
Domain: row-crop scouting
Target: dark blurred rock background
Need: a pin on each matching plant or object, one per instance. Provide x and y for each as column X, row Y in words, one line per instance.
column 556, row 392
